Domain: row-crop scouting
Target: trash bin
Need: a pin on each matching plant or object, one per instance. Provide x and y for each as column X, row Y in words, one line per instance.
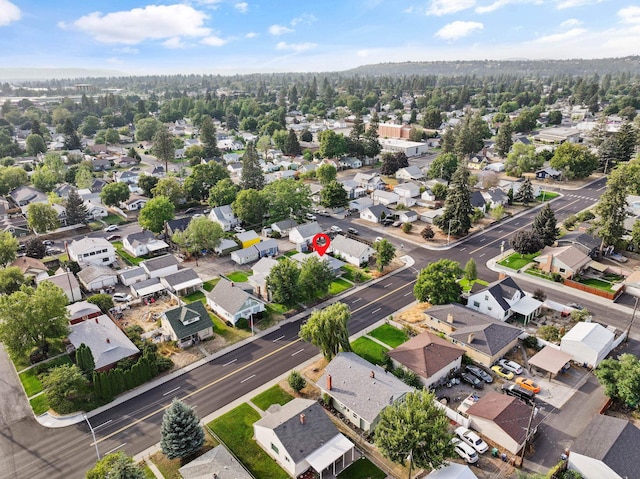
column 494, row 452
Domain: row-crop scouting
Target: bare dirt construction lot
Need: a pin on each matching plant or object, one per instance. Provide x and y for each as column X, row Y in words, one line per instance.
column 147, row 315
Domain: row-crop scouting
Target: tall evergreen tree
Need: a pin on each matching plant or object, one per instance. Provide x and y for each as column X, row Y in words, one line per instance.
column 76, row 210
column 84, row 359
column 292, row 145
column 182, row 435
column 525, row 193
column 545, row 225
column 71, row 140
column 356, row 137
column 457, row 207
column 612, row 209
column 251, row 176
column 504, row 138
column 163, row 147
column 208, row 138
column 372, row 145
column 448, row 141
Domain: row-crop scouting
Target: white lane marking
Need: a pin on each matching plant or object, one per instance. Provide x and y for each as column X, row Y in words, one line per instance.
column 103, row 424
column 278, row 339
column 388, row 285
column 230, row 362
column 410, row 292
column 172, row 391
column 354, row 302
column 375, row 310
column 115, row 448
column 462, row 249
column 482, row 255
column 298, row 352
column 246, row 379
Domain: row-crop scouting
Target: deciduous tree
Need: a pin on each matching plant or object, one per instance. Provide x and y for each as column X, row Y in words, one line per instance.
column 332, row 144
column 526, row 242
column 171, row 188
column 283, row 281
column 444, row 166
column 224, row 192
column 182, row 435
column 11, row 279
column 155, row 213
column 575, row 161
column 287, row 198
column 201, row 234
column 392, row 162
column 250, row 207
column 202, row 178
column 296, row 381
column 333, row 195
column 8, row 248
column 315, row 277
column 114, row 193
column 35, row 248
column 470, row 270
column 41, row 217
column 385, row 252
column 438, row 283
column 621, row 378
column 103, row 301
column 326, row 173
column 63, row 384
column 35, row 144
column 116, row 465
column 147, row 183
column 327, row 329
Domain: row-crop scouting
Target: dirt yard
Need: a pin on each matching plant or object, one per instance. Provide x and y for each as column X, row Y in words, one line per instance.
column 146, row 316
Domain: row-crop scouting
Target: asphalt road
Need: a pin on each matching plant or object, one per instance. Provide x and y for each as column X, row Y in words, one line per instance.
column 37, row 452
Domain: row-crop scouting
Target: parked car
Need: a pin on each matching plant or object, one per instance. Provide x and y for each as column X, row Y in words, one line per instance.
column 239, row 229
column 575, row 306
column 47, row 243
column 378, row 238
column 113, row 237
column 471, row 438
column 387, row 221
column 502, row 372
column 528, row 384
column 198, row 215
column 618, row 257
column 518, row 392
column 465, row 451
column 310, row 217
column 510, row 366
column 480, row 373
column 53, row 251
column 122, row 297
column 396, row 224
column 111, row 228
column 336, row 229
column 472, row 380
column 353, row 231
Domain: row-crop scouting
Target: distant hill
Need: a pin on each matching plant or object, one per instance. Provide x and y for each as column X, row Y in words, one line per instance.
column 503, row 67
column 24, row 74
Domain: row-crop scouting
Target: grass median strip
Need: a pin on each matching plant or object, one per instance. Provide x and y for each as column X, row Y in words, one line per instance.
column 273, row 395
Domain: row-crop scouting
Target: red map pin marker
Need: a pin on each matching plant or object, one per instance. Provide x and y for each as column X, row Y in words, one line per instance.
column 321, row 243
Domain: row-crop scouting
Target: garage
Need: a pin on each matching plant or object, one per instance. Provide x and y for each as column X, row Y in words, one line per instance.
column 95, row 278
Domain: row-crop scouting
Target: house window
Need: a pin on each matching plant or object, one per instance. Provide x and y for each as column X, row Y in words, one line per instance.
column 562, row 270
column 489, row 308
column 476, row 304
column 275, row 449
column 486, row 297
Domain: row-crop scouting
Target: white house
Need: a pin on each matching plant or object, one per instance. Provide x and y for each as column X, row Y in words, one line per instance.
column 588, row 343
column 383, row 197
column 410, row 173
column 407, row 216
column 95, row 211
column 452, row 470
column 135, row 203
column 360, row 204
column 182, row 282
column 68, row 283
column 304, row 233
column 96, row 277
column 96, row 251
column 375, row 213
column 129, row 276
column 224, row 216
column 503, row 298
column 350, row 250
column 408, row 193
column 160, row 266
column 143, row 243
column 231, row 302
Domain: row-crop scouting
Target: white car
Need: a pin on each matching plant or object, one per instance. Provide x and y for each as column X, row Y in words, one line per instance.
column 465, row 451
column 378, row 238
column 310, row 217
column 239, row 229
column 472, row 439
column 111, row 228
column 122, row 297
column 510, row 366
column 336, row 229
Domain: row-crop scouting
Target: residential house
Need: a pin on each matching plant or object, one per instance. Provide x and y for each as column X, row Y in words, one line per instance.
column 125, row 161
column 158, row 171
column 31, row 268
column 160, row 266
column 558, row 135
column 135, row 203
column 349, row 162
column 175, row 225
column 147, row 288
column 95, row 211
column 101, row 164
column 502, row 298
column 97, row 277
column 484, row 338
column 408, row 193
column 129, row 276
column 334, row 264
column 478, row 201
column 16, row 225
column 284, row 227
column 352, row 382
column 375, row 213
column 245, row 255
column 225, row 247
column 107, row 342
column 143, row 243
column 428, row 195
column 187, row 324
column 477, row 162
column 353, row 189
column 504, row 420
column 548, row 173
column 248, row 238
column 231, row 302
column 383, row 197
column 217, row 463
column 63, row 190
column 96, row 251
column 352, row 251
column 304, row 233
column 300, row 436
column 360, row 204
column 428, row 355
column 279, row 175
column 567, row 261
column 129, row 177
column 66, row 281
column 267, row 248
column 258, row 279
column 234, row 169
column 410, row 173
column 606, row 449
column 82, row 311
column 588, row 343
column 506, row 185
column 25, row 195
column 495, row 197
column 589, row 244
column 182, row 282
column 452, row 470
column 369, row 181
column 407, row 216
column 224, row 216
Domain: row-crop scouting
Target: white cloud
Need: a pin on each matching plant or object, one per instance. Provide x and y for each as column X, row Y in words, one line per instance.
column 629, row 14
column 174, row 43
column 305, row 18
column 8, row 13
column 128, row 50
column 444, row 7
column 251, row 35
column 296, row 47
column 560, row 37
column 242, row 7
column 153, row 22
column 458, row 29
column 493, row 6
column 572, row 22
column 562, row 4
column 213, row 41
column 279, row 30
column 408, row 9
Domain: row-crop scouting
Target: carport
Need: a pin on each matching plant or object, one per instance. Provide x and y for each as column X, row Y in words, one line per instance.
column 332, row 452
column 551, row 360
column 528, row 307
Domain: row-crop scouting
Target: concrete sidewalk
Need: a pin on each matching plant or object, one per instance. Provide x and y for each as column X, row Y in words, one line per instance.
column 50, row 421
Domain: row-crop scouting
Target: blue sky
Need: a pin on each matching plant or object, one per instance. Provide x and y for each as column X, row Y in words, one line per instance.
column 231, row 36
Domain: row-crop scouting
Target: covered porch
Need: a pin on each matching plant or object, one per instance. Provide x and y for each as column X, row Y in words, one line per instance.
column 528, row 307
column 332, row 458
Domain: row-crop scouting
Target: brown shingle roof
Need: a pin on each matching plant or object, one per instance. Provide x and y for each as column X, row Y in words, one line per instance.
column 426, row 354
column 25, row 263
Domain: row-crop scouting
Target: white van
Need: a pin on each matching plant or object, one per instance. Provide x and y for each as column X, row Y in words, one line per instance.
column 465, row 451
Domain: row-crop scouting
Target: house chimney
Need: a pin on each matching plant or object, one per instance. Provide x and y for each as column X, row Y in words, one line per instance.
column 328, row 382
column 108, row 340
column 97, row 322
column 450, row 318
column 372, row 374
column 232, row 284
column 470, row 338
column 502, row 275
column 301, row 418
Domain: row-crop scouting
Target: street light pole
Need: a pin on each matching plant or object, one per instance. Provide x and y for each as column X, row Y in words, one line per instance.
column 449, row 232
column 633, row 316
column 93, row 433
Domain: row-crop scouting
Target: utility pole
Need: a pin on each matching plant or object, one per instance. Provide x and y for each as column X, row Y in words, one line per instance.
column 526, row 437
column 633, row 316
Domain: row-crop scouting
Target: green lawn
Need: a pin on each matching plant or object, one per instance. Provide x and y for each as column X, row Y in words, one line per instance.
column 353, row 273
column 539, row 274
column 597, row 283
column 132, row 260
column 148, row 473
column 390, row 335
column 517, row 261
column 273, row 395
column 363, row 468
column 193, row 297
column 277, row 308
column 239, row 276
column 209, row 285
column 290, row 253
column 467, row 285
column 30, row 382
column 548, row 195
column 338, row 286
column 39, row 404
column 229, row 333
column 235, row 429
column 369, row 350
column 114, row 220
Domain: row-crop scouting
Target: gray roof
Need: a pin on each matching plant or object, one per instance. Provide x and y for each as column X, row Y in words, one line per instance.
column 412, row 171
column 285, row 224
column 477, row 200
column 93, row 272
column 264, row 265
column 613, row 441
column 217, row 463
column 178, row 224
column 307, row 230
column 299, row 439
column 496, row 195
column 160, row 262
column 489, row 335
column 377, row 210
column 353, row 386
column 145, row 284
column 81, row 308
column 66, row 281
column 132, row 272
column 501, row 289
column 351, row 247
column 143, row 237
column 247, row 236
column 181, row 276
column 177, row 317
column 230, row 296
column 107, row 342
column 266, row 245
